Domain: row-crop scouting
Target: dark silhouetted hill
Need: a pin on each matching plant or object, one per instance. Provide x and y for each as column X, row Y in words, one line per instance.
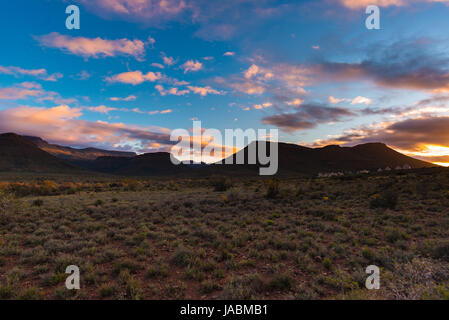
column 32, row 154
column 298, row 159
column 74, row 154
column 18, row 154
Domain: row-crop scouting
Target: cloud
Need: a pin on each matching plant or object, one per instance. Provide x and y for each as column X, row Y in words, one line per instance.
column 100, row 109
column 308, row 116
column 295, row 102
column 334, row 100
column 134, row 77
column 262, row 106
column 33, row 90
column 412, row 64
column 169, row 61
column 252, row 71
column 359, row 4
column 212, row 19
column 158, row 65
column 93, row 47
column 17, row 93
column 283, row 82
column 149, row 12
column 128, row 98
column 62, row 125
column 192, row 66
column 229, row 54
column 172, row 91
column 203, row 91
column 83, row 75
column 151, row 41
column 361, row 100
column 31, row 85
column 242, row 85
column 39, row 73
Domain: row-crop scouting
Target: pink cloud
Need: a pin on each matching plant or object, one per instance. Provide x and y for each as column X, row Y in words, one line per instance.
column 16, row 93
column 144, row 10
column 192, row 66
column 101, row 109
column 128, row 98
column 62, row 125
column 93, row 47
column 359, row 4
column 158, row 65
column 134, row 77
column 39, row 73
column 203, row 91
column 169, row 61
column 172, row 91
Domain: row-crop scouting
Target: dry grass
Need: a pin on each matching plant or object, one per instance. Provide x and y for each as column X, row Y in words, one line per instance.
column 288, row 239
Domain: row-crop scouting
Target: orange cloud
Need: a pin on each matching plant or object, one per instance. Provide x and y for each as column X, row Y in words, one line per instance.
column 16, row 93
column 169, row 61
column 101, row 109
column 262, row 106
column 203, row 91
column 62, row 125
column 135, row 77
column 128, row 98
column 359, row 4
column 95, row 48
column 140, row 9
column 172, row 91
column 192, row 66
column 39, row 73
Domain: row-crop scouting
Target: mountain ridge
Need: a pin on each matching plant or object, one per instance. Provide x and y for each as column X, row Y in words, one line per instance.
column 23, row 153
column 75, row 154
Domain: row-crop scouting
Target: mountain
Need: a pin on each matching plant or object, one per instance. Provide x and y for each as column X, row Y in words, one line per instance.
column 298, row 159
column 148, row 164
column 18, row 154
column 293, row 160
column 73, row 154
column 33, row 154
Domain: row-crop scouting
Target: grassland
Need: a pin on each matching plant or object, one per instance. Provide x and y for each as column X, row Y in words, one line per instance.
column 220, row 238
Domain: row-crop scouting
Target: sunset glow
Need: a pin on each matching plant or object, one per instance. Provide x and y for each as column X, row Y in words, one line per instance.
column 136, row 70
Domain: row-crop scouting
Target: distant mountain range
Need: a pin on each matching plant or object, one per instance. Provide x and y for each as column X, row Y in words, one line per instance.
column 76, row 154
column 18, row 154
column 32, row 154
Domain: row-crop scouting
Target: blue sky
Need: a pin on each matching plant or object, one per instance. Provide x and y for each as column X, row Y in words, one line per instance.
column 138, row 69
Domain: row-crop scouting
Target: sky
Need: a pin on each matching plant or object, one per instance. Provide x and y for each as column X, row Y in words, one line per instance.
column 138, row 69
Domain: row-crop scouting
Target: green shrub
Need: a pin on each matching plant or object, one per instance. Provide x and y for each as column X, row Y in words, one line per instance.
column 181, row 257
column 107, row 290
column 209, row 286
column 441, row 251
column 220, row 184
column 38, row 203
column 386, row 200
column 30, row 294
column 158, row 270
column 243, row 288
column 281, row 282
column 125, row 264
column 6, row 292
column 327, row 263
column 271, row 189
column 98, row 203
